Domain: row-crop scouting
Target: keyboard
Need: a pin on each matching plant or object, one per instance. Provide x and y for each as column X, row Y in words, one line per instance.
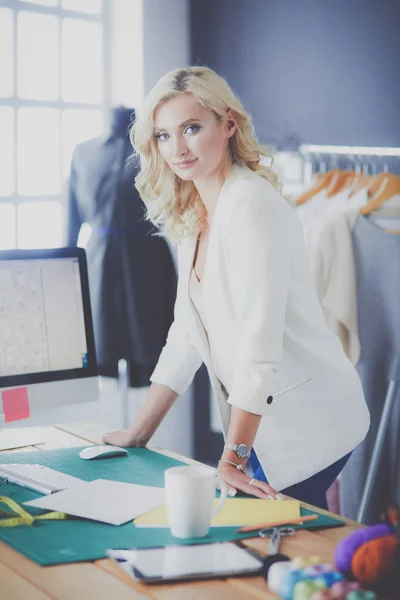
column 38, row 478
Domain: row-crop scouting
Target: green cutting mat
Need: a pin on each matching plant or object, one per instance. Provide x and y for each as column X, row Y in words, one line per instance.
column 75, row 540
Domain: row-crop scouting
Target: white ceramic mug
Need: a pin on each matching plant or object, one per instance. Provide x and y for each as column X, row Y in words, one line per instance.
column 189, row 498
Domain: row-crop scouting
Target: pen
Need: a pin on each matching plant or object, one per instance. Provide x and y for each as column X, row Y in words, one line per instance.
column 276, row 523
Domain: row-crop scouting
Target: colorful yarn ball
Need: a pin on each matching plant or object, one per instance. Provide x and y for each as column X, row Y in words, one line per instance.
column 375, row 559
column 346, row 548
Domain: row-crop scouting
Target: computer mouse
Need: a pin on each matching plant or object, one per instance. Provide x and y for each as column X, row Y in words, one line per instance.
column 102, row 452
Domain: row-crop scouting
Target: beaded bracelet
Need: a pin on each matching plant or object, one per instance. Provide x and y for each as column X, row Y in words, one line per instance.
column 239, row 467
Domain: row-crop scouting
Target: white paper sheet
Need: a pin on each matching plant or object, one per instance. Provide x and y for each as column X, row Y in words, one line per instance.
column 103, row 500
column 11, row 438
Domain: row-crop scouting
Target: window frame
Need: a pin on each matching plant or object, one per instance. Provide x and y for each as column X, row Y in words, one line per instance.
column 14, row 102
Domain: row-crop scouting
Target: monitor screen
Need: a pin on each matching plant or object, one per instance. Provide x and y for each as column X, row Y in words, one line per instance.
column 42, row 326
column 46, row 331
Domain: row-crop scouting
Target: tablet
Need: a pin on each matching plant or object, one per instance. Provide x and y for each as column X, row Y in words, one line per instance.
column 205, row 561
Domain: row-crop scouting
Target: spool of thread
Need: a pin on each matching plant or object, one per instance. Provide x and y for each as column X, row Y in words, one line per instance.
column 345, row 587
column 375, row 560
column 338, row 591
column 292, row 577
column 355, row 595
column 327, row 595
column 315, row 570
column 275, row 574
column 330, row 578
column 305, row 589
column 361, row 595
column 346, row 548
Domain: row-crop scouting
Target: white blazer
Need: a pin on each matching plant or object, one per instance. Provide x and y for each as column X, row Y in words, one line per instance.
column 276, row 356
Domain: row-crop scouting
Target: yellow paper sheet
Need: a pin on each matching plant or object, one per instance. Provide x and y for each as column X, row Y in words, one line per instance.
column 236, row 512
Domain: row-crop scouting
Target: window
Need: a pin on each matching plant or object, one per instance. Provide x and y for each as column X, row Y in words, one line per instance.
column 51, row 99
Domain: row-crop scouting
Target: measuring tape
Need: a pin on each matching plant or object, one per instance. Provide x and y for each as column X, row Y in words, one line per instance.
column 24, row 517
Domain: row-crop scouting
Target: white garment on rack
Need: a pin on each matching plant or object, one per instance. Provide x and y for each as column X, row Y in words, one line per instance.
column 316, row 223
column 312, row 207
column 329, row 244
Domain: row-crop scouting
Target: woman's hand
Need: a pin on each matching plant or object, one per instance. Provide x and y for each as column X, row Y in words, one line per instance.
column 237, row 480
column 122, row 438
column 158, row 401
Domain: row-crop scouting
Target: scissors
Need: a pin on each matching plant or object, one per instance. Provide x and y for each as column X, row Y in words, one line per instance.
column 275, row 534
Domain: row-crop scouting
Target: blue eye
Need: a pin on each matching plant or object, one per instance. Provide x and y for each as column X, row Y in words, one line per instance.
column 162, row 137
column 192, row 129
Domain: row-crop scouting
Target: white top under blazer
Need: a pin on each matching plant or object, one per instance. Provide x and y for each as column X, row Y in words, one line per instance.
column 266, row 329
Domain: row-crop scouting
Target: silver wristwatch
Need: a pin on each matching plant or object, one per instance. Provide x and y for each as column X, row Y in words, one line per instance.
column 241, row 450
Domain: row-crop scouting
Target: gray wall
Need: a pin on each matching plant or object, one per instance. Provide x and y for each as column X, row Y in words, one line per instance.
column 325, row 70
column 166, row 38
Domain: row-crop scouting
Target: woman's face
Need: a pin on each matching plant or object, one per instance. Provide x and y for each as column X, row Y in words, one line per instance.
column 190, row 139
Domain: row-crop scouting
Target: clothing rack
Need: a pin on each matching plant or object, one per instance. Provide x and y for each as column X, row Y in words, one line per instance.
column 307, row 150
column 352, row 153
column 349, row 150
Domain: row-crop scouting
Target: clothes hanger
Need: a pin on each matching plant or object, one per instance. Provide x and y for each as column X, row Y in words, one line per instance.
column 376, row 181
column 359, row 182
column 321, row 179
column 341, row 181
column 390, row 186
column 362, row 178
column 318, row 187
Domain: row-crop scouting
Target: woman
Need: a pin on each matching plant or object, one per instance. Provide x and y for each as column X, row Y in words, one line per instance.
column 288, row 397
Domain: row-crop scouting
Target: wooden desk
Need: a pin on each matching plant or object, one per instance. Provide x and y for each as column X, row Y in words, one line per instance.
column 22, row 579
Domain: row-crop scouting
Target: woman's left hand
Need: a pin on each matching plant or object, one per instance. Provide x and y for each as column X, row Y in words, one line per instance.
column 237, row 480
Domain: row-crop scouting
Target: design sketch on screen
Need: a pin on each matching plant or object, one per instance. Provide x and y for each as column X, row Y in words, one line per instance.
column 46, row 328
column 42, row 324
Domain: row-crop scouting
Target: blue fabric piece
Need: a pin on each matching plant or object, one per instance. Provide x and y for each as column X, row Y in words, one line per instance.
column 312, row 490
column 258, row 472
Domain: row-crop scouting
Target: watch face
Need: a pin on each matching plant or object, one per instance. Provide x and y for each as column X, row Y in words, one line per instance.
column 242, row 451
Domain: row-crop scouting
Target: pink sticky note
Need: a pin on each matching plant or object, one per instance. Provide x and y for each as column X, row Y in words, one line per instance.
column 15, row 404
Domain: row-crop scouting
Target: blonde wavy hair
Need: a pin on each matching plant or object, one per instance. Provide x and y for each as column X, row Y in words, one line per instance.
column 173, row 205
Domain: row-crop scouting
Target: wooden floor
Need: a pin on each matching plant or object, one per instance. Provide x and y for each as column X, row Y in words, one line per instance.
column 23, row 579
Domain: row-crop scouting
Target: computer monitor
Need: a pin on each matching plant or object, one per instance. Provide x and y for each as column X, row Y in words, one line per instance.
column 46, row 329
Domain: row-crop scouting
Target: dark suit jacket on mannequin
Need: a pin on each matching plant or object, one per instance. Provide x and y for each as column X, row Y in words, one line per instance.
column 131, row 272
